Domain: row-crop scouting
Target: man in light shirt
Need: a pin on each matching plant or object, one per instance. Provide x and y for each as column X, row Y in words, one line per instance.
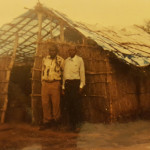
column 73, row 83
column 52, row 67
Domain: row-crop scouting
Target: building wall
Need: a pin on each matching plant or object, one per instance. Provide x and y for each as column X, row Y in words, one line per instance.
column 130, row 100
column 95, row 101
column 113, row 91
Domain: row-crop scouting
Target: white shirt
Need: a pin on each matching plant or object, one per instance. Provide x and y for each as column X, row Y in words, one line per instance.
column 52, row 68
column 74, row 69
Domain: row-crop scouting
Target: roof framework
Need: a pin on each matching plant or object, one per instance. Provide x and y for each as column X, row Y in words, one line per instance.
column 131, row 45
column 26, row 26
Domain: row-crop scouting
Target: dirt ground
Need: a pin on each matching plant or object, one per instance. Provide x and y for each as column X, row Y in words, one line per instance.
column 118, row 136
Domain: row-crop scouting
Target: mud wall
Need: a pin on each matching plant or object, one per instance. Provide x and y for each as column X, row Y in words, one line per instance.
column 130, row 99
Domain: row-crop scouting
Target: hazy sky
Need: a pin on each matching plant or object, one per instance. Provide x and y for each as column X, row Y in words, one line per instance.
column 103, row 12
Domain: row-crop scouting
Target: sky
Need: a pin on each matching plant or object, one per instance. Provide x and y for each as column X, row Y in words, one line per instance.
column 102, row 12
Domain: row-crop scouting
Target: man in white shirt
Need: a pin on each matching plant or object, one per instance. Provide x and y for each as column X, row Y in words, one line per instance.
column 52, row 67
column 73, row 83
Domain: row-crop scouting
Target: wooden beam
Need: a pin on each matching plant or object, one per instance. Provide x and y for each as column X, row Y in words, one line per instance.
column 15, row 33
column 34, row 103
column 51, row 27
column 18, row 51
column 50, row 31
column 8, row 78
column 16, row 24
column 32, row 36
column 98, row 73
column 35, row 95
column 40, row 27
column 108, row 91
column 62, row 32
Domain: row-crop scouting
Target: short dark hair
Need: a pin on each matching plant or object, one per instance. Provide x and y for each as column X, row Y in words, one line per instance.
column 53, row 46
column 73, row 47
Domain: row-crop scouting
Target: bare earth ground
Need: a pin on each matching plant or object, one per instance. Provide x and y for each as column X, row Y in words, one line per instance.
column 119, row 136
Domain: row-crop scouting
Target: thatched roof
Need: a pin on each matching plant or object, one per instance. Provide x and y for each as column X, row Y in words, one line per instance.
column 131, row 44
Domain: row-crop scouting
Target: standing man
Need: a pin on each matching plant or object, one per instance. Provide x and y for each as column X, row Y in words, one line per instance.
column 52, row 67
column 73, row 83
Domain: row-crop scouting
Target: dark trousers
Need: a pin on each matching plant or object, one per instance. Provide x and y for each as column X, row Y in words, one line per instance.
column 73, row 102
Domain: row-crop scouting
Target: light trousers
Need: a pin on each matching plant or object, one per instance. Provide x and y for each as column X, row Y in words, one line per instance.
column 51, row 100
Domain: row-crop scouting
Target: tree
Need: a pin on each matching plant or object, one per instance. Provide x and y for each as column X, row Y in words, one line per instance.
column 145, row 27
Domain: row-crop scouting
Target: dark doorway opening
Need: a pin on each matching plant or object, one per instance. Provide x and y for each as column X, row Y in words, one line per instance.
column 19, row 100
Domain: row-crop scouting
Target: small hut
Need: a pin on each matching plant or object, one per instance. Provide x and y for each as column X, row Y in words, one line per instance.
column 116, row 64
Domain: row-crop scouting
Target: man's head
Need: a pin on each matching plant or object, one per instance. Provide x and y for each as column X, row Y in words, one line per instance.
column 53, row 50
column 72, row 51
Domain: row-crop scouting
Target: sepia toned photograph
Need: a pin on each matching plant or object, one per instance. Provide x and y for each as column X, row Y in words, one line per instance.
column 74, row 75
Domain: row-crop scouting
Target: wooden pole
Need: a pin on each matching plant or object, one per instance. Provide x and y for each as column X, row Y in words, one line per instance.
column 35, row 100
column 51, row 28
column 8, row 78
column 108, row 90
column 61, row 31
column 40, row 27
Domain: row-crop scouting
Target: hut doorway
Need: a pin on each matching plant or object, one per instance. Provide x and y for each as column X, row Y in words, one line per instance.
column 19, row 90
